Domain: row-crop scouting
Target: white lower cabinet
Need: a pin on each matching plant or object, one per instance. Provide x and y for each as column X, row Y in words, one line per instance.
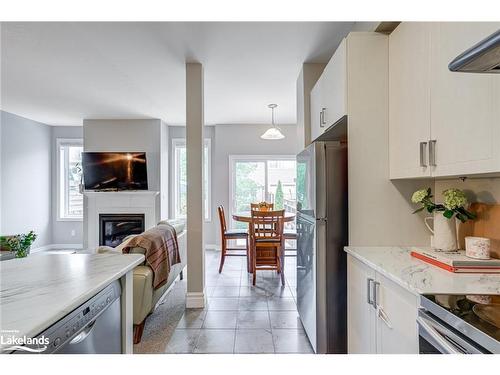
column 381, row 314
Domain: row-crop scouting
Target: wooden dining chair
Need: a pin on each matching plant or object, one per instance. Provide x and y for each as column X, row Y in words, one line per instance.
column 262, row 206
column 267, row 242
column 231, row 234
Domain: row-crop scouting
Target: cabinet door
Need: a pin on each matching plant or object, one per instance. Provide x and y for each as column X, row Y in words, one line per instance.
column 409, row 99
column 465, row 109
column 335, row 86
column 316, row 107
column 360, row 314
column 396, row 317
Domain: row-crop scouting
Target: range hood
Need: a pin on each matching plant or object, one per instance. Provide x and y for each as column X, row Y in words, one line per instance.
column 484, row 57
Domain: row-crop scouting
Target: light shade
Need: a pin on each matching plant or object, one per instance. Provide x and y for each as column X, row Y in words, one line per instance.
column 273, row 133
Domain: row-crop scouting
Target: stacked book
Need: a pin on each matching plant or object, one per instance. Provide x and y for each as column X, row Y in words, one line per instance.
column 457, row 261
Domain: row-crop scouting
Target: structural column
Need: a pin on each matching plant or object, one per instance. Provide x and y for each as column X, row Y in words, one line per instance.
column 195, row 297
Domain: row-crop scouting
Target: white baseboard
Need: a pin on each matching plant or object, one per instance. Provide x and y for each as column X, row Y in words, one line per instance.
column 57, row 246
column 195, row 300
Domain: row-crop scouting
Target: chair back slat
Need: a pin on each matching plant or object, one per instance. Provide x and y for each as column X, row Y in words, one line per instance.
column 267, row 225
column 222, row 219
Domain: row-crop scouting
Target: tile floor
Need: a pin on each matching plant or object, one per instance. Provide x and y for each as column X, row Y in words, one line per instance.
column 241, row 318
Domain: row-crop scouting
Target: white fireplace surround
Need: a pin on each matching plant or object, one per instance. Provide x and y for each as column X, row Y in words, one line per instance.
column 120, row 202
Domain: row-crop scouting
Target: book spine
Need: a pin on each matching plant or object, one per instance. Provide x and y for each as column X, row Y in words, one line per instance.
column 433, row 261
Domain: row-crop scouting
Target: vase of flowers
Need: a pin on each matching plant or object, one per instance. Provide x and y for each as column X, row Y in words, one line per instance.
column 445, row 216
column 21, row 243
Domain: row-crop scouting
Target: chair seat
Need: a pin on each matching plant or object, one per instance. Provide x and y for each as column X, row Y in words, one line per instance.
column 236, row 233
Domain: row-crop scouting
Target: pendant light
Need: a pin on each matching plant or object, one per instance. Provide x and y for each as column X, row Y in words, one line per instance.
column 273, row 132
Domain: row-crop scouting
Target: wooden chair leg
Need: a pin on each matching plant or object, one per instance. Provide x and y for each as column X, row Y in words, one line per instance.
column 249, row 257
column 253, row 250
column 222, row 255
column 138, row 330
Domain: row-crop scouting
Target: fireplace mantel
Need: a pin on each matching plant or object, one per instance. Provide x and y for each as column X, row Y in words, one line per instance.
column 117, row 202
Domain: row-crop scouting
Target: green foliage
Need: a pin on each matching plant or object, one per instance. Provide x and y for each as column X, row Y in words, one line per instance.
column 21, row 243
column 278, row 198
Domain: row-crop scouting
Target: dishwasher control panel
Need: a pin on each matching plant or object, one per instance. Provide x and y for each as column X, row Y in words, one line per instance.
column 75, row 324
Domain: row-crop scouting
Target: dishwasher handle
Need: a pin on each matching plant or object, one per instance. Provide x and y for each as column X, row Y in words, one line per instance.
column 83, row 334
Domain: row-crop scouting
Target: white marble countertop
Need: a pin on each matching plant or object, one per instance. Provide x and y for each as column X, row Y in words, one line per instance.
column 418, row 277
column 37, row 291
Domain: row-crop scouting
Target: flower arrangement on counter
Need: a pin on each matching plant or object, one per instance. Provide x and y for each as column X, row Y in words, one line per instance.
column 453, row 205
column 21, row 243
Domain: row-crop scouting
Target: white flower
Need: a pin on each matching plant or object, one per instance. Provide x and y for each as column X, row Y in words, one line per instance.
column 419, row 196
column 454, row 198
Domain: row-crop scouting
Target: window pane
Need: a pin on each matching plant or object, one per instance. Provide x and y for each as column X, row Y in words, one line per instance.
column 181, row 191
column 75, row 199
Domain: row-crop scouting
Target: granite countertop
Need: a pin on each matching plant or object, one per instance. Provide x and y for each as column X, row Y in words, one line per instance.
column 37, row 291
column 419, row 277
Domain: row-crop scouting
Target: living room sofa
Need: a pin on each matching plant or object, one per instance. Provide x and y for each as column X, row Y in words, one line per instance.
column 145, row 297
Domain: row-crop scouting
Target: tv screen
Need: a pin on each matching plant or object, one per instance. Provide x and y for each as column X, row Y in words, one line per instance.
column 115, row 171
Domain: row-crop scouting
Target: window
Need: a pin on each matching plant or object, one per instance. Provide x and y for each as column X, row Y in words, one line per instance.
column 262, row 178
column 69, row 168
column 180, row 178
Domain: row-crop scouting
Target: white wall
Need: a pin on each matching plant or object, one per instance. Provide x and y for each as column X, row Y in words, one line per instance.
column 26, row 177
column 62, row 230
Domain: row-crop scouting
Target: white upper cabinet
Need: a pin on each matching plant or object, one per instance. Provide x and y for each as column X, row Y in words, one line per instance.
column 441, row 123
column 409, row 100
column 465, row 110
column 329, row 95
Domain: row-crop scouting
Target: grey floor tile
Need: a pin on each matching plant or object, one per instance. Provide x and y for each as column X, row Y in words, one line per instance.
column 280, row 291
column 291, row 341
column 215, row 341
column 281, row 304
column 254, row 341
column 229, row 281
column 221, row 319
column 223, row 303
column 285, row 319
column 253, row 303
column 192, row 318
column 183, row 341
column 226, row 291
column 253, row 319
column 249, row 291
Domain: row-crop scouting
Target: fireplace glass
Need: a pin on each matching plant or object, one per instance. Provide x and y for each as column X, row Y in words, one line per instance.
column 113, row 228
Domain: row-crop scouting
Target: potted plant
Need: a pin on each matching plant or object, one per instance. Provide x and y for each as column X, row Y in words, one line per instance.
column 21, row 243
column 444, row 216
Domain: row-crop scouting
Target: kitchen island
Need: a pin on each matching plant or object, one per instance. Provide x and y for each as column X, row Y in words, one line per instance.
column 384, row 294
column 37, row 291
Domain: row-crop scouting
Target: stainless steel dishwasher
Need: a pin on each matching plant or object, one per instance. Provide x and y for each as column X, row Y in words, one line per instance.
column 92, row 328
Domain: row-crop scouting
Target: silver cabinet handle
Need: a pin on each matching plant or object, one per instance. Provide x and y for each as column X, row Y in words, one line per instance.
column 322, row 118
column 369, row 292
column 376, row 285
column 432, row 152
column 423, row 149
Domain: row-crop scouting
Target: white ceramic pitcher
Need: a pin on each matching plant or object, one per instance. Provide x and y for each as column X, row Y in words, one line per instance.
column 444, row 232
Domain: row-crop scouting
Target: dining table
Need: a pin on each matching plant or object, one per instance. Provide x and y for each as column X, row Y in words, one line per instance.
column 246, row 216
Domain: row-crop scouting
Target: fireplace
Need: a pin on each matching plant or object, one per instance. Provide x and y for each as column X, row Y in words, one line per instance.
column 113, row 228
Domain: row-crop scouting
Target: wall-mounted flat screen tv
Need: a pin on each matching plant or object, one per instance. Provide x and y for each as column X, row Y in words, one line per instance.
column 115, row 171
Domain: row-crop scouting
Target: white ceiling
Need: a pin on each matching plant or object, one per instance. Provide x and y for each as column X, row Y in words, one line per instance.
column 62, row 73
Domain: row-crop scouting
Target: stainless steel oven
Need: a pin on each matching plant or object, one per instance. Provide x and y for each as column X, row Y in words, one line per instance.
column 451, row 324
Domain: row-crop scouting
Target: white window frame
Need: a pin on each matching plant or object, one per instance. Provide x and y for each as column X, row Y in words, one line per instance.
column 249, row 158
column 62, row 180
column 174, row 186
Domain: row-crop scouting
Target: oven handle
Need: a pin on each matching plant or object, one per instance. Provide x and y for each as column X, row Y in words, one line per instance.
column 438, row 338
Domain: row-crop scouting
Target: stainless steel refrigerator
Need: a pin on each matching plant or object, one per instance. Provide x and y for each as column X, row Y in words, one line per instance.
column 322, row 234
